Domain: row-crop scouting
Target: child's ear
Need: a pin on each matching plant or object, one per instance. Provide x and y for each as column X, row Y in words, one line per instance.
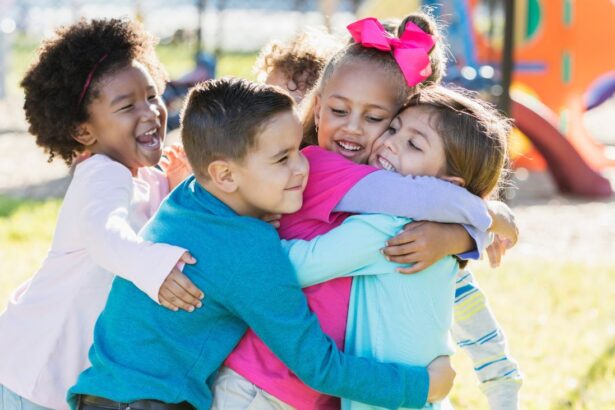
column 454, row 180
column 316, row 110
column 85, row 136
column 221, row 174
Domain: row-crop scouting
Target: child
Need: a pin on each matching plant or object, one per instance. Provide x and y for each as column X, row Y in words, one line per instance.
column 295, row 65
column 242, row 140
column 95, row 86
column 444, row 134
column 345, row 118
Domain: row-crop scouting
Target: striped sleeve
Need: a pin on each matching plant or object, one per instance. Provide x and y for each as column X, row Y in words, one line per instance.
column 477, row 332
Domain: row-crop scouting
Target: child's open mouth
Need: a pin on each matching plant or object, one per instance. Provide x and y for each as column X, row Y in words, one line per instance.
column 348, row 149
column 150, row 140
column 385, row 164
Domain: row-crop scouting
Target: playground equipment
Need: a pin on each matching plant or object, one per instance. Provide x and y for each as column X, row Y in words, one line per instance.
column 562, row 67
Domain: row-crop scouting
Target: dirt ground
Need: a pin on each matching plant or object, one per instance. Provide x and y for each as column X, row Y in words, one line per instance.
column 552, row 226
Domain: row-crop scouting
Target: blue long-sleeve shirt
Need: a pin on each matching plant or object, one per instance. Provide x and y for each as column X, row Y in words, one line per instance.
column 144, row 351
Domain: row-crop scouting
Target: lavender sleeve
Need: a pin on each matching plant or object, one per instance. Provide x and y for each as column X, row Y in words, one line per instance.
column 420, row 198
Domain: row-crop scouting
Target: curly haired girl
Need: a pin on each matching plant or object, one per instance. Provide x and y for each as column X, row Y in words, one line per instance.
column 96, row 86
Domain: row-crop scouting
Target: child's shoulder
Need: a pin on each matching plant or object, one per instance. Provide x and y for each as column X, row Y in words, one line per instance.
column 101, row 165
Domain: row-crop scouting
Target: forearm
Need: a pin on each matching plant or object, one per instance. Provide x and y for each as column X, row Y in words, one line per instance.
column 352, row 249
column 477, row 332
column 112, row 243
column 293, row 333
column 420, row 198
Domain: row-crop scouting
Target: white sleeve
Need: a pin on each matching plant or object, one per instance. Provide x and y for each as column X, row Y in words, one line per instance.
column 107, row 235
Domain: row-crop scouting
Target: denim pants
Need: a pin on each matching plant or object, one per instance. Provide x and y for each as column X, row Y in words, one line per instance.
column 10, row 400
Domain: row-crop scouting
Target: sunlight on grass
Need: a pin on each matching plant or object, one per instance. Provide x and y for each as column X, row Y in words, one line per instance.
column 559, row 317
column 177, row 58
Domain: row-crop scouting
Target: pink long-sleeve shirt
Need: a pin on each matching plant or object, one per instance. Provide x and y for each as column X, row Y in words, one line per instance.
column 46, row 330
column 331, row 176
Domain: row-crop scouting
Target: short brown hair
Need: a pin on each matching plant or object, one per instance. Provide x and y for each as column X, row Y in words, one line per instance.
column 474, row 134
column 222, row 118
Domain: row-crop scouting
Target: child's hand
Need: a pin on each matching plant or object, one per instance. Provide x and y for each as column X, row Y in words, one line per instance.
column 177, row 291
column 273, row 219
column 441, row 378
column 505, row 229
column 175, row 165
column 423, row 243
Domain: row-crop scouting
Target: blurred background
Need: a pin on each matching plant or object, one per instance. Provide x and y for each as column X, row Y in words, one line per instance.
column 549, row 64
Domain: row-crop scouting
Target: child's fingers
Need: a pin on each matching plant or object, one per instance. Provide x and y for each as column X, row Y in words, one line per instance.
column 187, row 258
column 494, row 255
column 167, row 304
column 406, row 236
column 178, row 297
column 164, row 163
column 399, row 250
column 187, row 286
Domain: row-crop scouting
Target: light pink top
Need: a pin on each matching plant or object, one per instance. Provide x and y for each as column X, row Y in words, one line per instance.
column 331, row 176
column 46, row 330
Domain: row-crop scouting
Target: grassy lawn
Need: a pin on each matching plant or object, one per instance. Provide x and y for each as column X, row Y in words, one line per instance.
column 559, row 317
column 177, row 59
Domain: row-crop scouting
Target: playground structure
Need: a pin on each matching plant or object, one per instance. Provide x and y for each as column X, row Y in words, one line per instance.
column 562, row 67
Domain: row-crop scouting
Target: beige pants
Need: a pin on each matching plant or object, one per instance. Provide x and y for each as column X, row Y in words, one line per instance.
column 232, row 391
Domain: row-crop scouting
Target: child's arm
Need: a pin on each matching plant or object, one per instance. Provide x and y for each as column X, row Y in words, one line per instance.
column 112, row 243
column 419, row 198
column 293, row 333
column 423, row 198
column 477, row 332
column 351, row 249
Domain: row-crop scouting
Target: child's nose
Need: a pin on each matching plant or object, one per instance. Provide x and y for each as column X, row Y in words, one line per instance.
column 354, row 124
column 150, row 111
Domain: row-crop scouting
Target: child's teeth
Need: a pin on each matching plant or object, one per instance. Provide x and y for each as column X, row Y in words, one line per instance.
column 386, row 164
column 350, row 147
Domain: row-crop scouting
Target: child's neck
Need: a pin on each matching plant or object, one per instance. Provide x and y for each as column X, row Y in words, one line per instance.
column 233, row 200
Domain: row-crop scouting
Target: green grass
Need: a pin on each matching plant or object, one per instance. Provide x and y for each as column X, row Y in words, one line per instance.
column 559, row 317
column 176, row 58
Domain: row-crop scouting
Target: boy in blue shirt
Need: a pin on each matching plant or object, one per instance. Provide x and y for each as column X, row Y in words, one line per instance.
column 242, row 141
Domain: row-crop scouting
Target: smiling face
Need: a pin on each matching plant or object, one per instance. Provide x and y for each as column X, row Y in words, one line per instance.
column 411, row 145
column 127, row 118
column 355, row 106
column 272, row 176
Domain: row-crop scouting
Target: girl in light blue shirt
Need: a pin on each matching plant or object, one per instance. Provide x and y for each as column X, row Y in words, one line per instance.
column 392, row 317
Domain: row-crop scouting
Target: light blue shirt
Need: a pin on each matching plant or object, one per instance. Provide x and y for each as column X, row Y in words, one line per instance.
column 391, row 317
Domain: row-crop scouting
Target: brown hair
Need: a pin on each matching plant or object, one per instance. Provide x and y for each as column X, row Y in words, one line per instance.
column 301, row 59
column 222, row 118
column 382, row 61
column 474, row 136
column 54, row 83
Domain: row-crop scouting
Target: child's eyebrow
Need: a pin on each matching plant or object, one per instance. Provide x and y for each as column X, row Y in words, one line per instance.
column 380, row 107
column 120, row 98
column 280, row 154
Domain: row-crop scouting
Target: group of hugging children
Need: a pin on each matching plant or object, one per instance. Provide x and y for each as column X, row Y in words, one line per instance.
column 271, row 261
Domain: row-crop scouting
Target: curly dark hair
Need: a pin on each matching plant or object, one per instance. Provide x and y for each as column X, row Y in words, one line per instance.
column 53, row 84
column 301, row 59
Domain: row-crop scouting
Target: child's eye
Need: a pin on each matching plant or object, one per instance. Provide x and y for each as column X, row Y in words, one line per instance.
column 338, row 112
column 413, row 145
column 126, row 107
column 152, row 97
column 391, row 130
column 282, row 160
column 374, row 119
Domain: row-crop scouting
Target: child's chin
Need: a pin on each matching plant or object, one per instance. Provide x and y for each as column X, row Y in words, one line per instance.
column 290, row 208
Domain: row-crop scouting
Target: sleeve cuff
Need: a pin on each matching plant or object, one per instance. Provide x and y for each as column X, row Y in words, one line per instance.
column 161, row 260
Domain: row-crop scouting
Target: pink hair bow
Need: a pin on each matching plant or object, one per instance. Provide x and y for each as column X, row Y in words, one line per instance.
column 411, row 50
